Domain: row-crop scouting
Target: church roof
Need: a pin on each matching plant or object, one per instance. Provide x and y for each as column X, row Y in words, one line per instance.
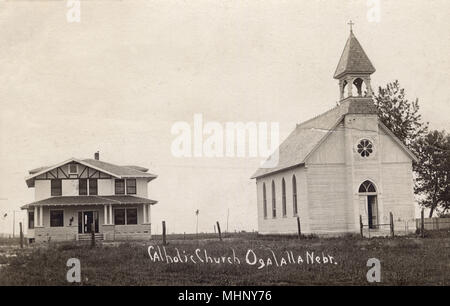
column 353, row 59
column 300, row 143
column 307, row 136
column 298, row 146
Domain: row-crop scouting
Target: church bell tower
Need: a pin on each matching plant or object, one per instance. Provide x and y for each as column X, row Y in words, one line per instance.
column 354, row 70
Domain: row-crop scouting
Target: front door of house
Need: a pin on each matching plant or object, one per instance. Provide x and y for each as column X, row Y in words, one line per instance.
column 85, row 221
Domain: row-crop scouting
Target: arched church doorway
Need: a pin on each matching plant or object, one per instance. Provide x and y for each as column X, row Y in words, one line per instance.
column 369, row 201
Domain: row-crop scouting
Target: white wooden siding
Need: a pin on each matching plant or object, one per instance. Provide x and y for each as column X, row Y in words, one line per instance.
column 329, row 201
column 42, row 189
column 280, row 224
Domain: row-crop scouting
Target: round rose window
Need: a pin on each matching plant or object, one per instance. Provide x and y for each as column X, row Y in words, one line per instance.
column 365, row 148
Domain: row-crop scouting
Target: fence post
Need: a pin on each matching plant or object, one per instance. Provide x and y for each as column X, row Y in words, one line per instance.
column 218, row 230
column 391, row 217
column 92, row 235
column 422, row 223
column 164, row 232
column 21, row 235
column 361, row 226
column 299, row 229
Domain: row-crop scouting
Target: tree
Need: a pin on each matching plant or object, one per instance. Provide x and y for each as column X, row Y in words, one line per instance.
column 433, row 171
column 399, row 114
column 402, row 117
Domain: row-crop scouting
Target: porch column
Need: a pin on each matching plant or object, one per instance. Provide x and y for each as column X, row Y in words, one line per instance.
column 148, row 213
column 110, row 214
column 36, row 216
column 41, row 214
column 145, row 213
column 105, row 215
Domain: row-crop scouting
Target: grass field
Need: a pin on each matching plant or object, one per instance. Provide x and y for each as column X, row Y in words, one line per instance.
column 404, row 261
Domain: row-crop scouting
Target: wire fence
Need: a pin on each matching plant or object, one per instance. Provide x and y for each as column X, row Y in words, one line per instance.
column 430, row 224
column 377, row 229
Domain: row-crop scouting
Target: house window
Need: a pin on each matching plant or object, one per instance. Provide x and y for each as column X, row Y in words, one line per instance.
column 283, row 189
column 31, row 219
column 365, row 148
column 73, row 168
column 120, row 187
column 125, row 216
column 294, row 194
column 119, row 216
column 131, row 186
column 56, row 218
column 274, row 202
column 264, row 200
column 56, row 188
column 131, row 215
column 93, row 190
column 82, row 187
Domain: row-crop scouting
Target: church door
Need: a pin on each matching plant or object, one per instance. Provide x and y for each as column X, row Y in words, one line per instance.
column 372, row 211
column 368, row 200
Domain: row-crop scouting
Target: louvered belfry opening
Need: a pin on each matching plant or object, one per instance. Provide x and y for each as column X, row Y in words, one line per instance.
column 353, row 70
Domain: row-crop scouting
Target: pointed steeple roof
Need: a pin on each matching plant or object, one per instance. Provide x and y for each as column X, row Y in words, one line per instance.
column 353, row 59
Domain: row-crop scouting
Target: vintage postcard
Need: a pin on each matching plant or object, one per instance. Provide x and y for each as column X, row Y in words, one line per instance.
column 224, row 143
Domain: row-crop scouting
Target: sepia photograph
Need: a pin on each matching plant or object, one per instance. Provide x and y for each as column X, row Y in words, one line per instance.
column 224, row 147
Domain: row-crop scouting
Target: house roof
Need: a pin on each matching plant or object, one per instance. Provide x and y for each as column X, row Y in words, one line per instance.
column 108, row 168
column 139, row 168
column 353, row 59
column 90, row 200
column 36, row 170
column 123, row 171
column 307, row 136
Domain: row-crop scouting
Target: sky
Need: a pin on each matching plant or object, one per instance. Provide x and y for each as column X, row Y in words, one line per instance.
column 117, row 81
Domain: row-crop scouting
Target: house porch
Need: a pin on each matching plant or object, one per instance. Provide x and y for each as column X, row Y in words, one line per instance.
column 60, row 220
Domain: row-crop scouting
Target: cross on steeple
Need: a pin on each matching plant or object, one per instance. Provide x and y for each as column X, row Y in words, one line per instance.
column 351, row 23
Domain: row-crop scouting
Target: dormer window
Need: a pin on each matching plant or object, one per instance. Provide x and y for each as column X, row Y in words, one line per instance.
column 73, row 169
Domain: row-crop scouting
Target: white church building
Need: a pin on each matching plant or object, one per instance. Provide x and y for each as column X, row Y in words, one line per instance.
column 339, row 166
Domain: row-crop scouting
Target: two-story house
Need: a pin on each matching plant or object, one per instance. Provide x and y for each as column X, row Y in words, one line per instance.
column 76, row 196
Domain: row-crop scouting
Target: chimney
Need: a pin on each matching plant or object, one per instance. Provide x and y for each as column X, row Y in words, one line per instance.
column 97, row 155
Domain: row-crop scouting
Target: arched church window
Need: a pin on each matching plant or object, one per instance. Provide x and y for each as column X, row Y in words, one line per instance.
column 294, row 195
column 365, row 148
column 367, row 186
column 274, row 203
column 283, row 190
column 264, row 200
